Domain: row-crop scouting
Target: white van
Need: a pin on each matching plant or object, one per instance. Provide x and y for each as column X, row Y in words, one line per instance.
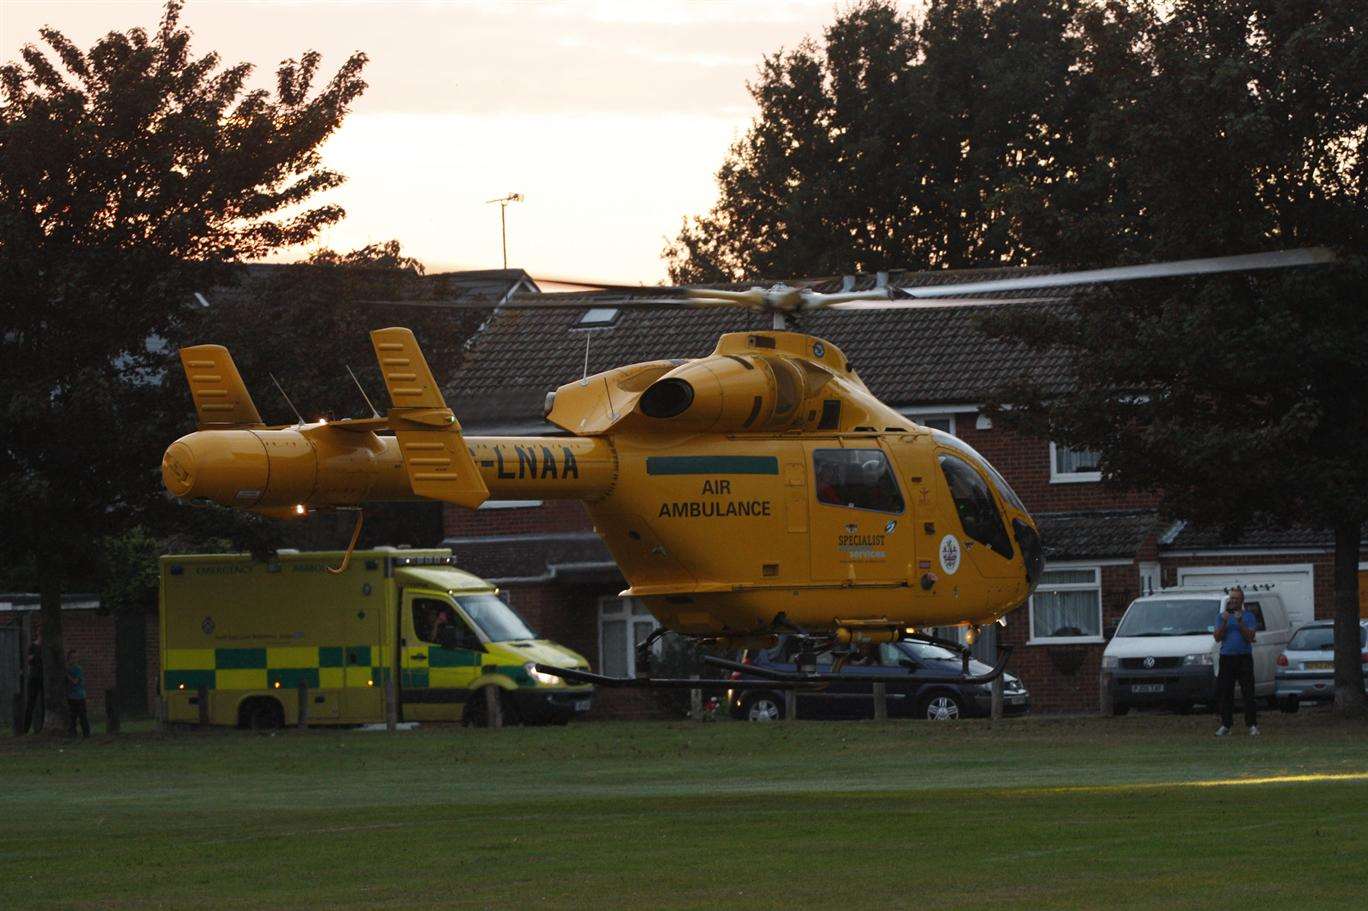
column 1163, row 653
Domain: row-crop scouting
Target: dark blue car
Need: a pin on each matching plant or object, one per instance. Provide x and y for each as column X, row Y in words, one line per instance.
column 753, row 701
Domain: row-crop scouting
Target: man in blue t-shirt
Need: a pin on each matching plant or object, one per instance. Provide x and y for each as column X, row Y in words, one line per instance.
column 76, row 695
column 1235, row 630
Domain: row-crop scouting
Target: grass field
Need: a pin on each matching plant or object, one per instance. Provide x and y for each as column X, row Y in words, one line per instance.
column 1136, row 812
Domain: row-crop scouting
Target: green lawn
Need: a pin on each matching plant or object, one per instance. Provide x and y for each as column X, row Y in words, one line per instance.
column 1035, row 813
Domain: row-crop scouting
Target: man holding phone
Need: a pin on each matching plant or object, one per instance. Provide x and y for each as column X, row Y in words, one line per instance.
column 1235, row 630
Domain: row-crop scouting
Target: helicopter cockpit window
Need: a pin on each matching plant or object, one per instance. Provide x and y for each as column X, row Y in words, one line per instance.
column 977, row 510
column 856, row 478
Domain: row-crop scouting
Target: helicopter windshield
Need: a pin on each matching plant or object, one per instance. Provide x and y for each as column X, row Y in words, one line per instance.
column 1170, row 618
column 955, row 443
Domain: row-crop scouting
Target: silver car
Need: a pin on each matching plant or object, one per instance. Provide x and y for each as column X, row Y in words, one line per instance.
column 1306, row 670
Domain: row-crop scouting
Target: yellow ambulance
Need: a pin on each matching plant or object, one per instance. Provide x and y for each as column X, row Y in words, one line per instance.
column 243, row 634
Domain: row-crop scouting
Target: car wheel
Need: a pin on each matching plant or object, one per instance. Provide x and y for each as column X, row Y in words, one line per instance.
column 762, row 707
column 1120, row 709
column 941, row 707
column 1290, row 705
column 1183, row 708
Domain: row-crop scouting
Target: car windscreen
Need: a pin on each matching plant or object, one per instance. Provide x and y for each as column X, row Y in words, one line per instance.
column 1186, row 617
column 925, row 651
column 495, row 620
column 1319, row 639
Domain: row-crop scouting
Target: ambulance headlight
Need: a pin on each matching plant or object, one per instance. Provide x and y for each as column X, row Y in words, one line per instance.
column 540, row 677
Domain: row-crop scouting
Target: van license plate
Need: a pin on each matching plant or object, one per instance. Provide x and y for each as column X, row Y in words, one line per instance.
column 1147, row 688
column 582, row 705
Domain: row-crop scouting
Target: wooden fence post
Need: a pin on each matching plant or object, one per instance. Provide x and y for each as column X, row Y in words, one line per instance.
column 880, row 702
column 695, row 701
column 493, row 707
column 159, row 713
column 111, row 712
column 391, row 703
column 303, row 711
column 790, row 703
column 17, row 716
column 202, row 694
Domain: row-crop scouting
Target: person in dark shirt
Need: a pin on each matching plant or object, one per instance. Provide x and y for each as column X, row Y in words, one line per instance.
column 1235, row 630
column 33, row 707
column 76, row 695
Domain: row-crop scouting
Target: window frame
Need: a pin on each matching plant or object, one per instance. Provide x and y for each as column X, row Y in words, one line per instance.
column 888, row 464
column 1095, row 585
column 1069, row 477
column 611, row 607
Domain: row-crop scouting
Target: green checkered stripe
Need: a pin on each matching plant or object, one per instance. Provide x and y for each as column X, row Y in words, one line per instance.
column 188, row 668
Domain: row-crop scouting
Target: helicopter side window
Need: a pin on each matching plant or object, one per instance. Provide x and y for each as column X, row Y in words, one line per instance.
column 857, row 479
column 978, row 512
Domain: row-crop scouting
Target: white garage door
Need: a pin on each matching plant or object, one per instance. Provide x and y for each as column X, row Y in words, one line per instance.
column 1293, row 582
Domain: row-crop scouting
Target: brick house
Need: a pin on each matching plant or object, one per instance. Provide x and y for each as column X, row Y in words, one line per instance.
column 1103, row 546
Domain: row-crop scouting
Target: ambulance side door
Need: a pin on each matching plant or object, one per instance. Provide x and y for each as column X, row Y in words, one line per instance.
column 434, row 678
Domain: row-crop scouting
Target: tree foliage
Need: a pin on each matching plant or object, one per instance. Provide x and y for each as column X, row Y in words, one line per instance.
column 1101, row 133
column 131, row 173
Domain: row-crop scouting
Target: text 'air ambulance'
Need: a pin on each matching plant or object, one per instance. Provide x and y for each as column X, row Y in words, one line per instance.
column 246, row 633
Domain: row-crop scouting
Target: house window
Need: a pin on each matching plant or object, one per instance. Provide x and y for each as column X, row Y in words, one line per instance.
column 624, row 623
column 1067, row 605
column 1074, row 465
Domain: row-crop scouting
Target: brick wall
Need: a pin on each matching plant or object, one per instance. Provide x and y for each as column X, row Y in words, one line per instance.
column 1063, row 678
column 551, row 516
column 1025, row 463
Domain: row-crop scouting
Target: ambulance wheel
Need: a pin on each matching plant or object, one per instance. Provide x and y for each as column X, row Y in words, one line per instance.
column 262, row 714
column 475, row 715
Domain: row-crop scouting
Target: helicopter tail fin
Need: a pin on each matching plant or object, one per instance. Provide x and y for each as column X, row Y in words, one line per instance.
column 221, row 398
column 436, row 457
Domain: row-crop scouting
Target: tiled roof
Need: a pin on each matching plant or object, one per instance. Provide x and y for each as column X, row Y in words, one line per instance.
column 500, row 558
column 906, row 357
column 1191, row 537
column 1078, row 535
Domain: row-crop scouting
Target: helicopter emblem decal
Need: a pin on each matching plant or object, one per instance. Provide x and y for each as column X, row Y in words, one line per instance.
column 950, row 554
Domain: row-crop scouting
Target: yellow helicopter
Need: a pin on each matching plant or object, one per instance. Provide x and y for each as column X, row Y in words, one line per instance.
column 759, row 490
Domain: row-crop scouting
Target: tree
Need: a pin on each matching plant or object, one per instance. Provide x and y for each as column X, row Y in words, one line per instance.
column 130, row 175
column 897, row 144
column 1225, row 127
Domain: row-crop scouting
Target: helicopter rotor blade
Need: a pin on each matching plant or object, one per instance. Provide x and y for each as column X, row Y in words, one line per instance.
column 1277, row 259
column 938, row 303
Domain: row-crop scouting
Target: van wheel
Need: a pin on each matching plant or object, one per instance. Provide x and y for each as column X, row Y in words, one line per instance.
column 1183, row 708
column 1290, row 706
column 1120, row 709
column 261, row 714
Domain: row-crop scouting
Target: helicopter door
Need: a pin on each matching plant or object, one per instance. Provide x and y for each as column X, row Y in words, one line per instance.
column 857, row 507
column 986, row 542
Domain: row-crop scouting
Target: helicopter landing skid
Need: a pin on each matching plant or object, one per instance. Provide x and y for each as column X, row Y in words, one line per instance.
column 571, row 675
column 799, row 679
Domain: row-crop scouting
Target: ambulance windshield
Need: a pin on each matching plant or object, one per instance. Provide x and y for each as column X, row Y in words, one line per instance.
column 493, row 617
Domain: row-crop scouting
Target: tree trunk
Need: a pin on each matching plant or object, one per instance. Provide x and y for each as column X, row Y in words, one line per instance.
column 54, row 653
column 1350, row 701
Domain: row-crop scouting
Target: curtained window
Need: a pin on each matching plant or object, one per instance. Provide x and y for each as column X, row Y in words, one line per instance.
column 1067, row 605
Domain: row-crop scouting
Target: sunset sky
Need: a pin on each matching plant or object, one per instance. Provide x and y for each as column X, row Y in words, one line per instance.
column 610, row 117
